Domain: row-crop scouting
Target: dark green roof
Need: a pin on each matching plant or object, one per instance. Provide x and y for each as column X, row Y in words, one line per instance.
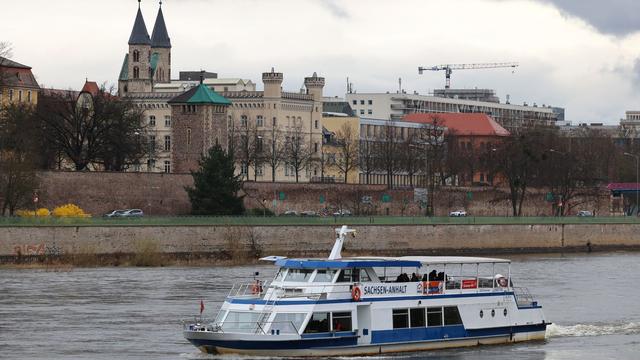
column 160, row 36
column 124, row 72
column 154, row 62
column 200, row 95
column 139, row 34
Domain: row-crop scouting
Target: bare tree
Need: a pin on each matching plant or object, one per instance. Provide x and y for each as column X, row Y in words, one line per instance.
column 246, row 147
column 5, row 53
column 367, row 159
column 347, row 144
column 388, row 148
column 274, row 150
column 297, row 151
column 104, row 130
column 436, row 152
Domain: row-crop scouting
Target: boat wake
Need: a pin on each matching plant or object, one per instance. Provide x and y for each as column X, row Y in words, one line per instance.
column 579, row 330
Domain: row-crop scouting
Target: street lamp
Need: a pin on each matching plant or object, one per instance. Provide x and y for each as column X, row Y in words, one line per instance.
column 637, row 176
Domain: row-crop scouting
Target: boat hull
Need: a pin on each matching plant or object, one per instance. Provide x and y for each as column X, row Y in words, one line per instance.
column 347, row 345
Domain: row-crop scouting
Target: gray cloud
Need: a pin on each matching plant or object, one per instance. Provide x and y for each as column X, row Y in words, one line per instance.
column 614, row 17
column 335, row 9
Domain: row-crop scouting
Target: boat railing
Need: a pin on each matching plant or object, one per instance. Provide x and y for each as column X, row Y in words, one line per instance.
column 245, row 327
column 523, row 297
column 254, row 289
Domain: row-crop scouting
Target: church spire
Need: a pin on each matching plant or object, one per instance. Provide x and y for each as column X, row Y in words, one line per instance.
column 139, row 34
column 160, row 37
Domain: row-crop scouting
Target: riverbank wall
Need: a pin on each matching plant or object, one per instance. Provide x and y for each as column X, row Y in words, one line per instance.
column 242, row 244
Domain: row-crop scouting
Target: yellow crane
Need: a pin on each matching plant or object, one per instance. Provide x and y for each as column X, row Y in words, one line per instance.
column 448, row 68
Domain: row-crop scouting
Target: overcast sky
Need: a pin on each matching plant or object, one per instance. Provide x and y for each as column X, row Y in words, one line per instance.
column 583, row 55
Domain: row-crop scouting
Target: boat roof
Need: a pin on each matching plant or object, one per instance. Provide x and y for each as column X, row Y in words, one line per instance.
column 432, row 260
column 362, row 261
column 344, row 263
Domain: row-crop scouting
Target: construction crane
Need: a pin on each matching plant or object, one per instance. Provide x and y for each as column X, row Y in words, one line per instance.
column 448, row 68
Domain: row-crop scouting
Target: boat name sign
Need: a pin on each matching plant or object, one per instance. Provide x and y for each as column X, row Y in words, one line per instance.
column 384, row 289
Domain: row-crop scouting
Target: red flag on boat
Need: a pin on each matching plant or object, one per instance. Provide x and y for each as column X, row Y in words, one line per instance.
column 201, row 306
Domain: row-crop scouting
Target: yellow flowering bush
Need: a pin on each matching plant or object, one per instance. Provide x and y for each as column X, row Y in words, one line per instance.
column 69, row 210
column 42, row 212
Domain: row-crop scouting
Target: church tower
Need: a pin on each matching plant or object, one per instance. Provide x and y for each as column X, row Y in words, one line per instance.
column 137, row 73
column 161, row 50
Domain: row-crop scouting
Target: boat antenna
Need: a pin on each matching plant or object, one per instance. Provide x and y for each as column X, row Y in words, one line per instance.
column 337, row 247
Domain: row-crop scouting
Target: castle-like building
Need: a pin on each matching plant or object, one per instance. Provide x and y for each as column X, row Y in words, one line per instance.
column 185, row 119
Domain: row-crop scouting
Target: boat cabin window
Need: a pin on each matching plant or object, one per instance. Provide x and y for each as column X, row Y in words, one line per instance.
column 341, row 321
column 280, row 274
column 299, row 275
column 452, row 316
column 400, row 318
column 288, row 323
column 417, row 317
column 354, row 275
column 404, row 318
column 434, row 316
column 320, row 322
column 325, row 276
column 242, row 322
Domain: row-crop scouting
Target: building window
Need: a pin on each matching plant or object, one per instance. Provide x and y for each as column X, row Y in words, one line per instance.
column 370, row 102
column 167, row 143
column 20, row 95
column 151, row 165
column 152, row 120
column 152, row 143
column 136, row 72
column 315, row 147
column 136, row 56
column 315, row 124
column 189, row 136
column 28, row 96
column 361, row 102
column 370, row 112
column 167, row 121
column 167, row 166
column 260, row 170
column 275, row 122
column 361, row 111
column 243, row 120
column 244, row 169
column 10, row 94
column 259, row 144
column 355, row 102
column 417, row 317
column 259, row 121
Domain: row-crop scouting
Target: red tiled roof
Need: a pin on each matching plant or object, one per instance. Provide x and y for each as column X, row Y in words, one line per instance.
column 461, row 123
column 623, row 186
column 91, row 87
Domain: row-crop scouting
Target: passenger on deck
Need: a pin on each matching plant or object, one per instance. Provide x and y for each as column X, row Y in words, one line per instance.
column 441, row 276
column 433, row 276
column 425, row 277
column 414, row 277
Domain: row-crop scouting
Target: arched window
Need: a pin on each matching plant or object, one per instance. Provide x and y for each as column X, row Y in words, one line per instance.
column 136, row 56
column 136, row 72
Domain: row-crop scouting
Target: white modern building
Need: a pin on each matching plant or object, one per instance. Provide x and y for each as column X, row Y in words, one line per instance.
column 394, row 106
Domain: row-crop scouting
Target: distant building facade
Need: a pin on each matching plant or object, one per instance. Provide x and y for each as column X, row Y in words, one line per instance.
column 145, row 79
column 17, row 83
column 394, row 106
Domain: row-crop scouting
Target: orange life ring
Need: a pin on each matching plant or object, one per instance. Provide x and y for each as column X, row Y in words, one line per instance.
column 502, row 281
column 356, row 293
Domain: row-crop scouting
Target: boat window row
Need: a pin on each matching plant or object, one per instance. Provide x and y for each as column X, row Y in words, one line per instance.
column 322, row 322
column 430, row 316
column 323, row 275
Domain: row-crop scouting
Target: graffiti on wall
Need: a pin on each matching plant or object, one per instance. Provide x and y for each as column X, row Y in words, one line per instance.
column 36, row 249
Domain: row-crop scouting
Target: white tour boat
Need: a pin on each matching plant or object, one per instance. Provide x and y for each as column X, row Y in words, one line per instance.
column 371, row 305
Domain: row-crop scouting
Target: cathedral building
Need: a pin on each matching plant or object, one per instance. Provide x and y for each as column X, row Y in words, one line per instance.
column 184, row 120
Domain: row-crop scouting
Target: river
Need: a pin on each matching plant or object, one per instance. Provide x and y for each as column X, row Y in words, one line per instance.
column 134, row 313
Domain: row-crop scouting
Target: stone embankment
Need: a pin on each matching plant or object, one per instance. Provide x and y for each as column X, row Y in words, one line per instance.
column 246, row 243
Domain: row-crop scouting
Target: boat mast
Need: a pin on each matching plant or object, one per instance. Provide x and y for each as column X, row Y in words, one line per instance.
column 337, row 247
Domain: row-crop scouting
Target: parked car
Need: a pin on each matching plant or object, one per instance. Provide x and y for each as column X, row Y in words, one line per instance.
column 308, row 213
column 585, row 213
column 115, row 213
column 133, row 213
column 290, row 213
column 458, row 213
column 342, row 212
